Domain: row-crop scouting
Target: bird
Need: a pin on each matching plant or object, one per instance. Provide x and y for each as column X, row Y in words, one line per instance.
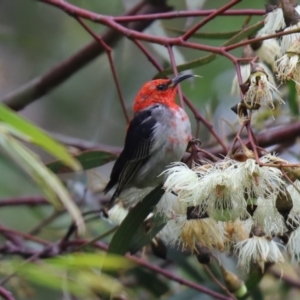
column 157, row 135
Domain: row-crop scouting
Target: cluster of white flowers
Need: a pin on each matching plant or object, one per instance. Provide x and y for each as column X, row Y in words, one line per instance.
column 279, row 57
column 275, row 22
column 232, row 206
column 239, row 206
column 287, row 64
column 260, row 91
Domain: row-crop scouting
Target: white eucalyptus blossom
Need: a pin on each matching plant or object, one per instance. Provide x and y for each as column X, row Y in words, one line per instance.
column 293, row 245
column 257, row 250
column 296, row 78
column 272, row 158
column 171, row 232
column 245, row 73
column 205, row 231
column 274, row 22
column 223, row 190
column 268, row 52
column 268, row 218
column 261, row 91
column 182, row 181
column 117, row 214
column 258, row 181
column 220, row 197
column 293, row 219
column 169, row 206
column 287, row 65
column 288, row 39
column 237, row 231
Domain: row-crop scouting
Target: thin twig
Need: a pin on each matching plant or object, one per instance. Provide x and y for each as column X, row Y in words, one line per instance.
column 217, row 281
column 108, row 51
column 24, row 235
column 175, row 71
column 161, row 271
column 284, row 277
column 5, row 294
column 211, row 16
column 36, row 229
column 190, row 13
column 24, row 200
column 43, row 84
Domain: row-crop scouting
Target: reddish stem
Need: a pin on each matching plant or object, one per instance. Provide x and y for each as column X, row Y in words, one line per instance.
column 30, row 201
column 108, row 51
column 159, row 270
column 261, row 38
column 5, row 294
column 252, row 141
column 211, row 16
column 24, row 235
column 131, row 34
column 175, row 71
column 192, row 13
column 208, row 125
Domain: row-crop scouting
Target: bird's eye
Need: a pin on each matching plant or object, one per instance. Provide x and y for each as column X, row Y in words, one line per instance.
column 162, row 87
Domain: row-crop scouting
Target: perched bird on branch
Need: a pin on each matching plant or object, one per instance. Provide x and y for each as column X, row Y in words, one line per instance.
column 157, row 135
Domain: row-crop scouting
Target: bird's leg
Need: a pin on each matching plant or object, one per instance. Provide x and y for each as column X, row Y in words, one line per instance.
column 193, row 149
column 193, row 142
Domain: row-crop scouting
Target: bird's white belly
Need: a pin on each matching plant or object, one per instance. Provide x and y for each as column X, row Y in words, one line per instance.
column 171, row 137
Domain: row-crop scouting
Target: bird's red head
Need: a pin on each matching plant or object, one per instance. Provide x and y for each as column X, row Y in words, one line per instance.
column 158, row 91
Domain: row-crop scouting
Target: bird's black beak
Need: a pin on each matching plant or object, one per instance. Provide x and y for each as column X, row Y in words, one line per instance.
column 180, row 78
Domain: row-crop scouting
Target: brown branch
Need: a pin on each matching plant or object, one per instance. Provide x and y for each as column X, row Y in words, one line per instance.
column 159, row 270
column 26, row 200
column 108, row 51
column 193, row 13
column 175, row 71
column 24, row 235
column 83, row 144
column 5, row 294
column 285, row 278
column 284, row 134
column 41, row 85
column 211, row 16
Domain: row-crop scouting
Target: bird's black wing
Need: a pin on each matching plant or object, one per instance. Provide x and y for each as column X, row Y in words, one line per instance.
column 136, row 151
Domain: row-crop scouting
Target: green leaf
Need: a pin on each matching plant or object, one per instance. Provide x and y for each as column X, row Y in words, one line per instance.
column 254, row 279
column 183, row 262
column 151, row 281
column 46, row 276
column 293, row 98
column 37, row 136
column 50, row 184
column 252, row 283
column 121, row 240
column 143, row 238
column 69, row 270
column 88, row 160
column 94, row 260
column 208, row 58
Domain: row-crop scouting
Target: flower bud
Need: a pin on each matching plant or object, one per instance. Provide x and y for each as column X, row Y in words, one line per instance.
column 233, row 283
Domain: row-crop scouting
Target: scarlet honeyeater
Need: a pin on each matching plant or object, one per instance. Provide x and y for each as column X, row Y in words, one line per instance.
column 157, row 135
